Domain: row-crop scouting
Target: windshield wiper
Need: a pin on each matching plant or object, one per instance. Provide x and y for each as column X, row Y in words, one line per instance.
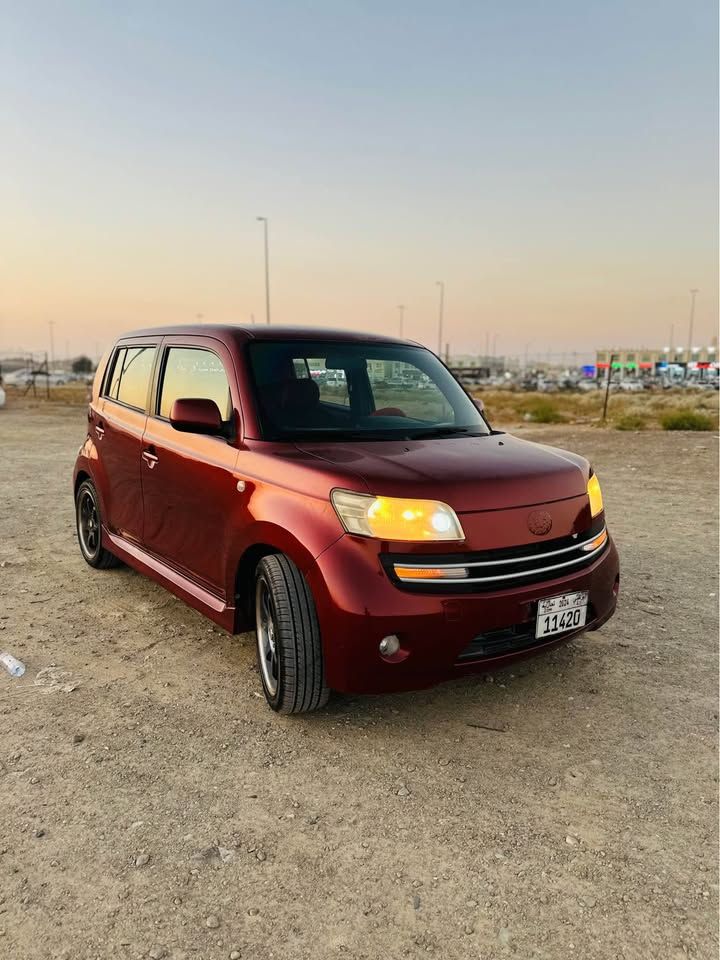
column 348, row 435
column 442, row 432
column 340, row 435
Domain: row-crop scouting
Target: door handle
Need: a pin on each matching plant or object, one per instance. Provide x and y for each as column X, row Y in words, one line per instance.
column 149, row 458
column 100, row 430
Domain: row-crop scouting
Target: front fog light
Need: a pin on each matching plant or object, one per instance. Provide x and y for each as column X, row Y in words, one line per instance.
column 389, row 646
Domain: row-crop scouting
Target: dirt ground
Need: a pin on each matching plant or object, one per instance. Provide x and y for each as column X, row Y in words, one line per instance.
column 151, row 805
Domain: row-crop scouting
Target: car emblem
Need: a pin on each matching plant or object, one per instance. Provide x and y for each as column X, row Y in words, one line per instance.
column 539, row 522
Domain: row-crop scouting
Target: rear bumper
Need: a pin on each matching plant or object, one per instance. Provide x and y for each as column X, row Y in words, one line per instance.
column 357, row 606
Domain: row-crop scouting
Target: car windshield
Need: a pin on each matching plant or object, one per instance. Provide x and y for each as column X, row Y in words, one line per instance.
column 325, row 390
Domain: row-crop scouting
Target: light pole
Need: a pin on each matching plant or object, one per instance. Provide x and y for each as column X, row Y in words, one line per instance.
column 401, row 311
column 525, row 362
column 264, row 221
column 441, row 284
column 693, row 293
column 51, row 324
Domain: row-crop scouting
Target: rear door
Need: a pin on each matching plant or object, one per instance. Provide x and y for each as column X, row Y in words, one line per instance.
column 118, row 427
column 189, row 483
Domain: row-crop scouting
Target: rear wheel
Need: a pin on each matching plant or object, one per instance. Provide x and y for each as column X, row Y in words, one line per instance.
column 288, row 638
column 89, row 528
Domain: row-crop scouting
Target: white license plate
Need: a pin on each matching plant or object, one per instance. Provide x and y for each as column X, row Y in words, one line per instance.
column 560, row 614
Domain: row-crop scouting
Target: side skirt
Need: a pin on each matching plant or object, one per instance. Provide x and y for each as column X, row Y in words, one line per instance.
column 213, row 607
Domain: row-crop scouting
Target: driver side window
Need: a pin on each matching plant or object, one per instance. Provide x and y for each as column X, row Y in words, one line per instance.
column 197, row 373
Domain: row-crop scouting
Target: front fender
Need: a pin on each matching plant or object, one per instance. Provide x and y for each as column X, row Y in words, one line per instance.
column 285, row 521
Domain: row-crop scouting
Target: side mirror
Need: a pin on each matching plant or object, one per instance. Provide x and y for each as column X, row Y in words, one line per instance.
column 479, row 404
column 196, row 415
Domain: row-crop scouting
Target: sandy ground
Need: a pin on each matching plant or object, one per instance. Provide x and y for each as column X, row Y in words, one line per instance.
column 151, row 805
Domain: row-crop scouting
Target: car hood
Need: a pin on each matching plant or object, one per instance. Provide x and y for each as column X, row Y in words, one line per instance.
column 470, row 473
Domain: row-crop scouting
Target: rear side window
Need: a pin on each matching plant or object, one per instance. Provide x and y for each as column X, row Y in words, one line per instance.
column 130, row 377
column 194, row 373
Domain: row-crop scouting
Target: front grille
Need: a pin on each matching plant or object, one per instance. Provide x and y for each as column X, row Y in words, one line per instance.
column 498, row 569
column 496, row 642
column 521, row 636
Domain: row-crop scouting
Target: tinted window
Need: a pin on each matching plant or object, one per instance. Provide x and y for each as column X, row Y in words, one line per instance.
column 117, row 365
column 191, row 372
column 341, row 390
column 130, row 376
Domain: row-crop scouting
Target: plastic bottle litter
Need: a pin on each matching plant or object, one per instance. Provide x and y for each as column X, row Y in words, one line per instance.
column 16, row 668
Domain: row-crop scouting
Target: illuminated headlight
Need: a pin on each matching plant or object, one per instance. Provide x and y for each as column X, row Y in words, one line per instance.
column 395, row 518
column 595, row 494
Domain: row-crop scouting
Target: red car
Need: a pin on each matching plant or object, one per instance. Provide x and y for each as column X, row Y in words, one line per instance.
column 343, row 496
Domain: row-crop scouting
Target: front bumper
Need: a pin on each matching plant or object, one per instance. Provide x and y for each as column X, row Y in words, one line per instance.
column 357, row 606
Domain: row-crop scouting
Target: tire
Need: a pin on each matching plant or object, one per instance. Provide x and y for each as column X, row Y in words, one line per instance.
column 289, row 650
column 88, row 524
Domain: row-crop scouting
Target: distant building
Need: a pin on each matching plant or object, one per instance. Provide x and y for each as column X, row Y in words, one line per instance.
column 476, row 367
column 641, row 362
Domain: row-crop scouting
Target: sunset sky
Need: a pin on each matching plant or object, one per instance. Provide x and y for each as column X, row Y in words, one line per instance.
column 554, row 163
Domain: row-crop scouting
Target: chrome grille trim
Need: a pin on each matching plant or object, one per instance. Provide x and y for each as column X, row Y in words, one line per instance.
column 585, row 557
column 492, row 563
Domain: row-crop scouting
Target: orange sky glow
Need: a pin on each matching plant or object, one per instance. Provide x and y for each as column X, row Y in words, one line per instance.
column 567, row 203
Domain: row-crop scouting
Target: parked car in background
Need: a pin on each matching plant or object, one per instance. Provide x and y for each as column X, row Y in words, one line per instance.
column 17, row 377
column 376, row 536
column 630, row 385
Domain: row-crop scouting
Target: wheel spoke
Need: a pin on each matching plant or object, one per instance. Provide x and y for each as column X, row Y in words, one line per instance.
column 88, row 524
column 266, row 640
column 267, row 610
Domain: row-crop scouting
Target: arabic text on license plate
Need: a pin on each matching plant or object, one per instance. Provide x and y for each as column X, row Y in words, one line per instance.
column 560, row 614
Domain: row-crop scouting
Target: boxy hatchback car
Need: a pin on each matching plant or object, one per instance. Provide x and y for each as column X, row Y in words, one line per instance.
column 343, row 496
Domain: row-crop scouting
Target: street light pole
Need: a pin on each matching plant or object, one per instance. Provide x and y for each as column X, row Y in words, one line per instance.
column 401, row 311
column 441, row 284
column 51, row 324
column 607, row 387
column 264, row 221
column 693, row 293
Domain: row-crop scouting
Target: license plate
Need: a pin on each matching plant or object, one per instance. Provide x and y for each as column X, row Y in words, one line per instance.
column 560, row 614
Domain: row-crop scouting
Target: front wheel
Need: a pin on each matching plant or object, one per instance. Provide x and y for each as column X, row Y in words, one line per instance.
column 89, row 528
column 288, row 638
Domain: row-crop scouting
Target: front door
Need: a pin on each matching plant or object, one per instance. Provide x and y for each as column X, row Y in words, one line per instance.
column 189, row 483
column 119, row 420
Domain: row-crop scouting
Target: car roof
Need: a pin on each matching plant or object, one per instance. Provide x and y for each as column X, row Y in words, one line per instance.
column 238, row 333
